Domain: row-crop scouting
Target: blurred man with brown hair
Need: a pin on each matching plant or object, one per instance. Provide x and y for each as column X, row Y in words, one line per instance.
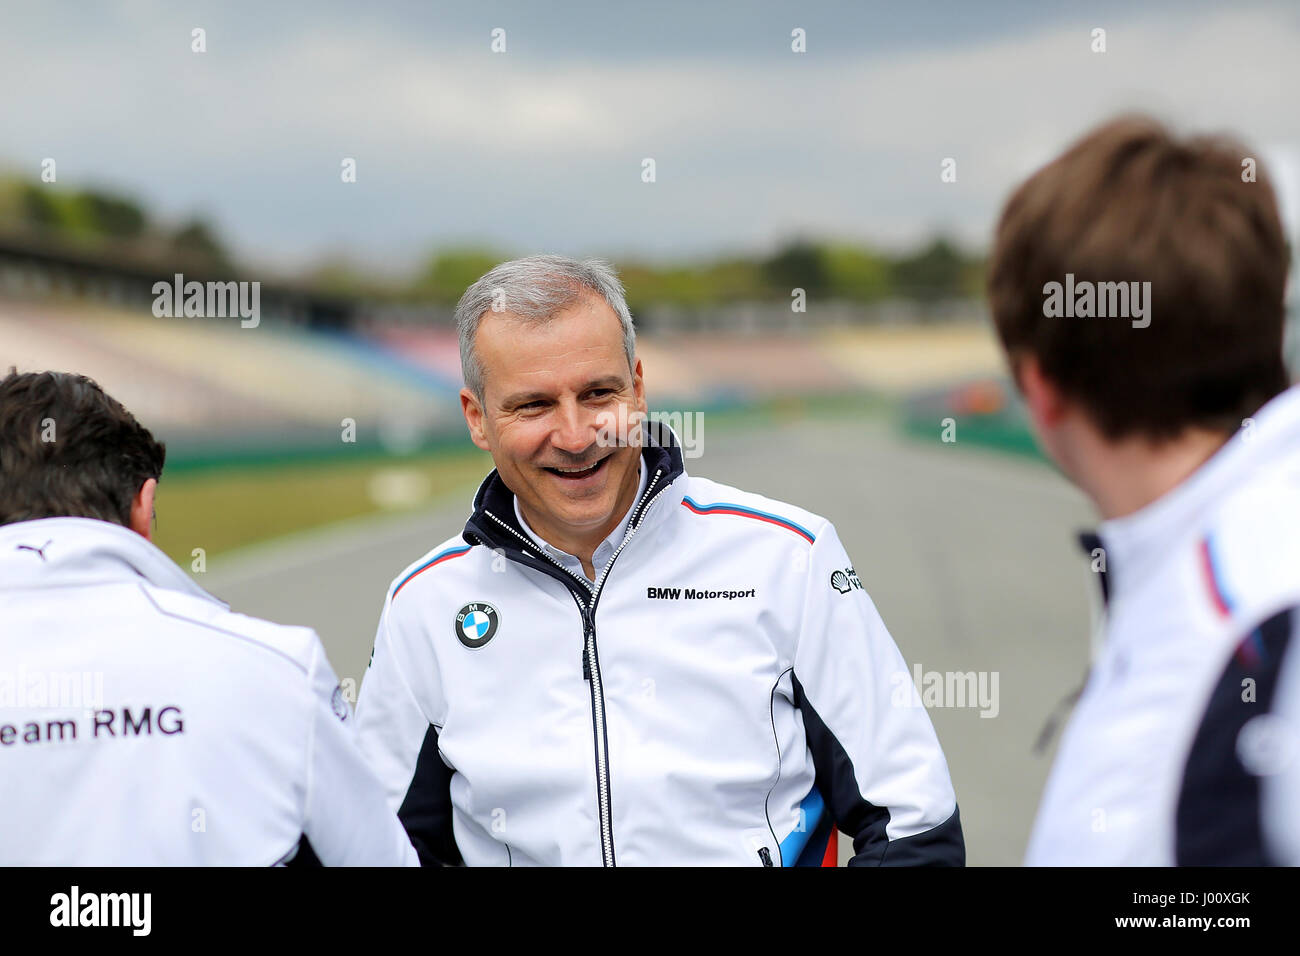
column 1137, row 286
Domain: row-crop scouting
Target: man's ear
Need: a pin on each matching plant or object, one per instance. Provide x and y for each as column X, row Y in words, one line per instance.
column 142, row 509
column 638, row 387
column 1043, row 400
column 473, row 413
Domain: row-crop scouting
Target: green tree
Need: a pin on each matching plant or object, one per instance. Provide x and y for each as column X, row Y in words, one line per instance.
column 800, row 265
column 196, row 238
column 339, row 275
column 451, row 272
column 935, row 273
column 855, row 274
column 109, row 215
column 28, row 205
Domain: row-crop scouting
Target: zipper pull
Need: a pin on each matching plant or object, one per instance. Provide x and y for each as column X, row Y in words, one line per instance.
column 765, row 855
column 586, row 662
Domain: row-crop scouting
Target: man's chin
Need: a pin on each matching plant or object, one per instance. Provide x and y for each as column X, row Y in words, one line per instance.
column 581, row 512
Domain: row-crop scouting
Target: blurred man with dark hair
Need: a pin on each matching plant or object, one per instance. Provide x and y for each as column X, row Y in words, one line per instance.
column 1137, row 285
column 141, row 722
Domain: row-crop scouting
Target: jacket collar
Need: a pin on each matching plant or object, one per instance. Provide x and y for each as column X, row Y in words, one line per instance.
column 493, row 522
column 1139, row 540
column 63, row 552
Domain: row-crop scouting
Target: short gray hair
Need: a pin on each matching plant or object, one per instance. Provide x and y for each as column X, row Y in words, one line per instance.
column 535, row 289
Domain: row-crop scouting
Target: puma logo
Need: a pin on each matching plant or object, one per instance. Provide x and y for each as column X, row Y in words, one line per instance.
column 40, row 550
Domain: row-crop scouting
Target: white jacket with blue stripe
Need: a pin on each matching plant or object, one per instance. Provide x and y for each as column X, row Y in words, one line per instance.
column 723, row 694
column 1184, row 747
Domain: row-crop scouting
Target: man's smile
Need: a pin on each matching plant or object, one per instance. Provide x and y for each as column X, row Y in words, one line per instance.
column 580, row 472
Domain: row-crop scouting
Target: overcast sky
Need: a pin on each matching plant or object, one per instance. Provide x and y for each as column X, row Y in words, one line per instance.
column 540, row 148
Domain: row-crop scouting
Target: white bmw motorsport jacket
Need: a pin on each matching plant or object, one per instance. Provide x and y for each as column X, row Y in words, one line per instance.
column 143, row 723
column 1185, row 745
column 725, row 693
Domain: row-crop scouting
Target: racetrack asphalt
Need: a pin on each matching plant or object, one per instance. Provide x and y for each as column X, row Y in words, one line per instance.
column 969, row 555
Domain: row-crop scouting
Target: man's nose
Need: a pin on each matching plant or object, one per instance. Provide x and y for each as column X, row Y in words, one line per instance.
column 574, row 429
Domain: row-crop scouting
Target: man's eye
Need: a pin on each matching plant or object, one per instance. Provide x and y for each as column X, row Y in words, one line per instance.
column 533, row 405
column 601, row 392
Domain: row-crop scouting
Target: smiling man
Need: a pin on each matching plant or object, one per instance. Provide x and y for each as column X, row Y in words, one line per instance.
column 620, row 663
column 557, row 380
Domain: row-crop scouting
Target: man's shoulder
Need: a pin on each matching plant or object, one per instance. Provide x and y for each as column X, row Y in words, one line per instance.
column 706, row 498
column 1250, row 546
column 445, row 561
column 295, row 644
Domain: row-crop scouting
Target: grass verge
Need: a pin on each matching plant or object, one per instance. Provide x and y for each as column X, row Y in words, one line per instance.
column 229, row 508
column 229, row 504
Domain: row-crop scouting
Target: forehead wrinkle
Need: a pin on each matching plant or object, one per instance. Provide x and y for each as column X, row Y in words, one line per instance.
column 571, row 359
column 526, row 356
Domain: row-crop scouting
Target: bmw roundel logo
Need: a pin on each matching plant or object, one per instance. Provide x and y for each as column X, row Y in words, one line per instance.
column 476, row 623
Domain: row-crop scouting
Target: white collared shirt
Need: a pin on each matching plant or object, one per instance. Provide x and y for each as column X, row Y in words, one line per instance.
column 605, row 550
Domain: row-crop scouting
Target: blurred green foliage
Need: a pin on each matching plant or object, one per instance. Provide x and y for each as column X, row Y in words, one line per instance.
column 196, row 238
column 96, row 216
column 937, row 272
column 448, row 275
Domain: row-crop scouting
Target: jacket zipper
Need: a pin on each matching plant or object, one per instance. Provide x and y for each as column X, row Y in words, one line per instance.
column 532, row 546
column 591, row 662
column 582, row 605
column 592, row 673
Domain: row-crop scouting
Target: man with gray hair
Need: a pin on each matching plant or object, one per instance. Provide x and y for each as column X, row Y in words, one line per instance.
column 617, row 662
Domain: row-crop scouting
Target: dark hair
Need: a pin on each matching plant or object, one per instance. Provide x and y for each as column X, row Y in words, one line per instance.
column 69, row 449
column 1129, row 202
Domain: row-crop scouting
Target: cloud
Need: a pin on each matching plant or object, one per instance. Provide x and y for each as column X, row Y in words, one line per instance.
column 529, row 152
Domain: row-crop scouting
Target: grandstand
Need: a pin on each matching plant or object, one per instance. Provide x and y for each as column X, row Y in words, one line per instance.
column 213, row 389
column 202, row 382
